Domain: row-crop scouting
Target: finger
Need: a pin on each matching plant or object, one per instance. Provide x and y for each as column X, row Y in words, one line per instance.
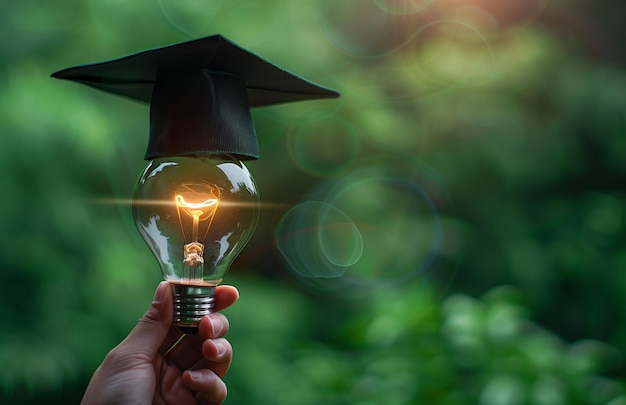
column 213, row 326
column 173, row 339
column 185, row 354
column 211, row 389
column 219, row 353
column 225, row 296
column 154, row 325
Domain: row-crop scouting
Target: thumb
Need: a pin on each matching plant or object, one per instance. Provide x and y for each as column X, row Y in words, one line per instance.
column 153, row 326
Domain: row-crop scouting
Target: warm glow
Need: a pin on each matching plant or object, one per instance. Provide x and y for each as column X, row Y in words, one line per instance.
column 124, row 201
column 180, row 201
column 199, row 201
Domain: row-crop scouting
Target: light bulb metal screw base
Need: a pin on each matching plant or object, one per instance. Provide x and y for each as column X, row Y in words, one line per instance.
column 191, row 304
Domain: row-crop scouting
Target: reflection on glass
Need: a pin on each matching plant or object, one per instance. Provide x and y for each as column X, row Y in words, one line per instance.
column 195, row 215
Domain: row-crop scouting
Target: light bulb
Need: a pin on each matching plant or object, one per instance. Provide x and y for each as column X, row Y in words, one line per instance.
column 196, row 204
column 195, row 214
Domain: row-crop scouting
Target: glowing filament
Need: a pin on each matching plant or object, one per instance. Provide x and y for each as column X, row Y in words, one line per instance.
column 199, row 202
column 196, row 211
column 180, row 201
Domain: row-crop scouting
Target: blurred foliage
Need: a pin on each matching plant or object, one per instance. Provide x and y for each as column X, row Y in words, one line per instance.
column 450, row 231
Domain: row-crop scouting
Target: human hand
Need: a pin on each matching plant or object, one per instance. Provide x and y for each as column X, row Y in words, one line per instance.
column 145, row 369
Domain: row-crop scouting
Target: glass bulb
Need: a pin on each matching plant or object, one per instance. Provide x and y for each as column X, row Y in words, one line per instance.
column 195, row 214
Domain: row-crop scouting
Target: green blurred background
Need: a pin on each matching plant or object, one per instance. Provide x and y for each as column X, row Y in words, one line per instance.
column 450, row 231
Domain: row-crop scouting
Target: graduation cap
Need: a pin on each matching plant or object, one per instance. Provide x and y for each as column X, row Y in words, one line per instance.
column 200, row 94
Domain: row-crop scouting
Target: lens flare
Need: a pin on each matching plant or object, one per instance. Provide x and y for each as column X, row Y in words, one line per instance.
column 373, row 227
column 456, row 55
column 318, row 240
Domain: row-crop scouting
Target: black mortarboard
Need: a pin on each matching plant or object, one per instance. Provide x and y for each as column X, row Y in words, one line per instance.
column 200, row 93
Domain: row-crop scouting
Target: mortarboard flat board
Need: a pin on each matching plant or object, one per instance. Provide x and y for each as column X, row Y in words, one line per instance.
column 200, row 94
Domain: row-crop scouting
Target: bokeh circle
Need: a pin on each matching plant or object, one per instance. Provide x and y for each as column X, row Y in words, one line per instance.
column 372, row 227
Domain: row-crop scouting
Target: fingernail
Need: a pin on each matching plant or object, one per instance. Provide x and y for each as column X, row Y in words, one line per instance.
column 195, row 374
column 221, row 348
column 216, row 325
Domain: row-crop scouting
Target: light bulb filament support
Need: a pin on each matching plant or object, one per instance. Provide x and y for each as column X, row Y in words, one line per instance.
column 194, row 261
